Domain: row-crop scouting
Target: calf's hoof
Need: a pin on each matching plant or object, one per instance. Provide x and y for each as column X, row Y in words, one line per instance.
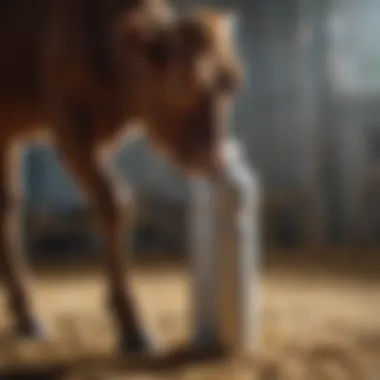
column 31, row 329
column 136, row 341
column 206, row 339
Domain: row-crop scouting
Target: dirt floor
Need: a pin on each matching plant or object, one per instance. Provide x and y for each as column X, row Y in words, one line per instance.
column 312, row 326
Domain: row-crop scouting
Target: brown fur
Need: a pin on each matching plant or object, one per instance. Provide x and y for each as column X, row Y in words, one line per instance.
column 85, row 69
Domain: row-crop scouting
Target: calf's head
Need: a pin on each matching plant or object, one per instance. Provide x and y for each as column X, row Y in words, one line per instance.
column 185, row 76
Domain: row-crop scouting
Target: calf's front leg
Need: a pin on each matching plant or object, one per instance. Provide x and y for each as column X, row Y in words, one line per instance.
column 13, row 268
column 79, row 155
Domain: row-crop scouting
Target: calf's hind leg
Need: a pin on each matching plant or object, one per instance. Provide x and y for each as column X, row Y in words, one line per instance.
column 73, row 142
column 13, row 268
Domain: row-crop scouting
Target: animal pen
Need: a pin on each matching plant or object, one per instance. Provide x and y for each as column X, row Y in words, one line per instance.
column 276, row 263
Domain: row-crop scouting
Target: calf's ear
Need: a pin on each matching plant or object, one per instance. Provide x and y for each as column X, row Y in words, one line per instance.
column 156, row 43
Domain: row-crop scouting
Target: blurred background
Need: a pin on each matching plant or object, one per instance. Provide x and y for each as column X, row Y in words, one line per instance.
column 309, row 116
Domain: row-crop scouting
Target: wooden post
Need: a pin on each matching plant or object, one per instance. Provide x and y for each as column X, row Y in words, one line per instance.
column 225, row 256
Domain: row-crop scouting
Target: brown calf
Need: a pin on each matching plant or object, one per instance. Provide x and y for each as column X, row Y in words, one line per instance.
column 84, row 70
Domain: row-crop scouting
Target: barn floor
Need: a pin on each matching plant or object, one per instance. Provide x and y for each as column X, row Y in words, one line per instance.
column 313, row 327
